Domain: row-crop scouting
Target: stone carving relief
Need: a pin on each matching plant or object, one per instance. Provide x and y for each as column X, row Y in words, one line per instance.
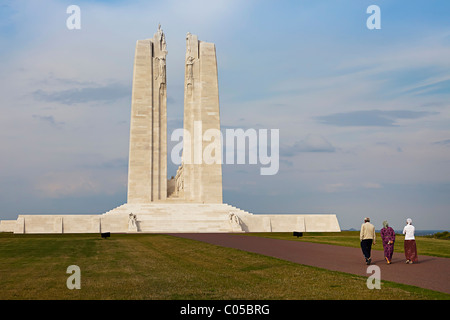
column 190, row 71
column 188, row 45
column 235, row 222
column 189, row 74
column 161, row 39
column 162, row 69
column 179, row 181
column 132, row 222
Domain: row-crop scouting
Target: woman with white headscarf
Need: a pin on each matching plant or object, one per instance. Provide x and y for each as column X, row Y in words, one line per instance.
column 410, row 242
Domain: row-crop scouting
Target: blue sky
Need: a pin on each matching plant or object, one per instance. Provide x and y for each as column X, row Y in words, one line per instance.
column 364, row 115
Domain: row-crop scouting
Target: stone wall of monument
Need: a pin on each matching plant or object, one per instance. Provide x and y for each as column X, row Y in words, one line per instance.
column 79, row 223
column 202, row 181
column 147, row 169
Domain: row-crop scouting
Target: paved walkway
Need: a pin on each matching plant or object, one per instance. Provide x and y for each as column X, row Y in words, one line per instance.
column 431, row 272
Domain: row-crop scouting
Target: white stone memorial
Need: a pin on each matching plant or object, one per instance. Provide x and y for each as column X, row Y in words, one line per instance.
column 192, row 201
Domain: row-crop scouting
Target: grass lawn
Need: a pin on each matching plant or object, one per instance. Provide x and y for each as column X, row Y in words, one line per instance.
column 425, row 245
column 153, row 266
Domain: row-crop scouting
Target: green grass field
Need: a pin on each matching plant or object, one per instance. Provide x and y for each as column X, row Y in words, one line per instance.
column 152, row 266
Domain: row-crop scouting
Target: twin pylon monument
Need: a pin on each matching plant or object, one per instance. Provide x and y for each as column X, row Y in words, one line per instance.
column 147, row 170
column 191, row 201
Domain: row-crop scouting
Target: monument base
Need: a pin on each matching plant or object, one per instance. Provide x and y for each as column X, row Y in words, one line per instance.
column 172, row 217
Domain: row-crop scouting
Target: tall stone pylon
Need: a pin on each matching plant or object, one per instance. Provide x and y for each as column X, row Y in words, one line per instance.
column 202, row 152
column 147, row 169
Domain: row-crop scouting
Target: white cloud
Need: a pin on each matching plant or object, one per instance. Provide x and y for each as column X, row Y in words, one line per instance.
column 334, row 187
column 79, row 183
column 311, row 143
column 372, row 185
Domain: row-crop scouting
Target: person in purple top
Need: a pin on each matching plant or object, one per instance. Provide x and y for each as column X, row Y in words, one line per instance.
column 388, row 238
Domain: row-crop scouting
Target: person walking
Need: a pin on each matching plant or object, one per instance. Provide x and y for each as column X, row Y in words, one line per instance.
column 410, row 242
column 388, row 239
column 367, row 237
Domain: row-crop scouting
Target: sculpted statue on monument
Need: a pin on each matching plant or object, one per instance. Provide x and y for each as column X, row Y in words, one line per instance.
column 161, row 38
column 132, row 223
column 162, row 69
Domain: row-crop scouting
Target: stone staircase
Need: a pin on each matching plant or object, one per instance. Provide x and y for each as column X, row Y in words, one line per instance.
column 178, row 216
